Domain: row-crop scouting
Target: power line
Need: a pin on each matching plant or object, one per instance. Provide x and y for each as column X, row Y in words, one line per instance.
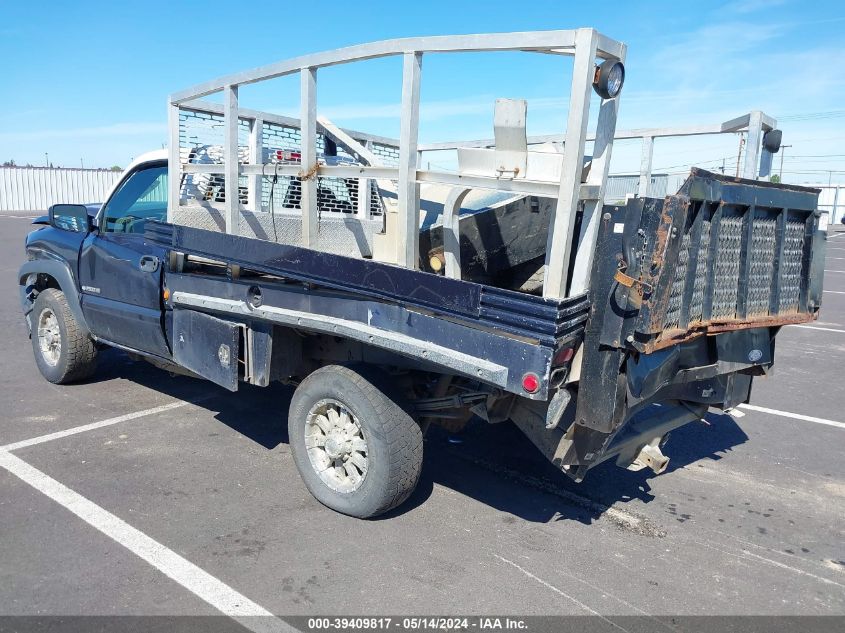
column 695, row 163
column 816, row 155
column 812, row 116
column 814, row 171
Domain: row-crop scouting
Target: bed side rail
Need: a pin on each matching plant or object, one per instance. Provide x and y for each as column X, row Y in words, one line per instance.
column 548, row 321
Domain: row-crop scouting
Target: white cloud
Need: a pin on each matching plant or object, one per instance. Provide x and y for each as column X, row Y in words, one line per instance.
column 708, row 49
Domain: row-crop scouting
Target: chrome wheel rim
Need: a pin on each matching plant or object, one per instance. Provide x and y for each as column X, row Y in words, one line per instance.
column 336, row 446
column 49, row 337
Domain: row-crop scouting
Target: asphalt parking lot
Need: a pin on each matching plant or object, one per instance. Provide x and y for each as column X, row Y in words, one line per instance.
column 185, row 500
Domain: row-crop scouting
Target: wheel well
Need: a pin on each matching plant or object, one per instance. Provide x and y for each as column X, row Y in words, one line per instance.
column 38, row 282
column 47, row 281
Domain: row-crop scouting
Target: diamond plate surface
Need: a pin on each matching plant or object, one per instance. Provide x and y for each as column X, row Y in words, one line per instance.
column 201, row 141
column 335, row 235
column 676, row 296
column 700, row 283
column 726, row 277
column 761, row 263
column 791, row 265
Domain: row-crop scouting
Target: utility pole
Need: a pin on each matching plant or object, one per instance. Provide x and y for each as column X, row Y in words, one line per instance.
column 739, row 154
column 782, row 152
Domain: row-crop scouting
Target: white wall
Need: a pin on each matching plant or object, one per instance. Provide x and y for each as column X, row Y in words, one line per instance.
column 828, row 197
column 36, row 188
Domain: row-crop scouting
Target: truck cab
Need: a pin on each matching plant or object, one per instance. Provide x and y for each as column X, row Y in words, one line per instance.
column 111, row 275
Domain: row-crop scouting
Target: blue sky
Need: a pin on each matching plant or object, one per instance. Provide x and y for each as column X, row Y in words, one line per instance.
column 88, row 81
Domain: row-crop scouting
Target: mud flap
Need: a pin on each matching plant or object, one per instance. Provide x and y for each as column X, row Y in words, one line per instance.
column 207, row 346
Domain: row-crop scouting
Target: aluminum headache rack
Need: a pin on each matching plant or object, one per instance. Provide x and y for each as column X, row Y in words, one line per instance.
column 309, row 173
column 756, row 124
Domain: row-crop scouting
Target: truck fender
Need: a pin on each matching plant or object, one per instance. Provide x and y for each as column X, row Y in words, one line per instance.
column 64, row 278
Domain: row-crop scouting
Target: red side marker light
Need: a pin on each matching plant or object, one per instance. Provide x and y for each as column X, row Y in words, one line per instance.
column 531, row 382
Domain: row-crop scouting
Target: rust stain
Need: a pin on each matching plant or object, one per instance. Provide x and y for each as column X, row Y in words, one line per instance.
column 659, row 299
column 674, row 336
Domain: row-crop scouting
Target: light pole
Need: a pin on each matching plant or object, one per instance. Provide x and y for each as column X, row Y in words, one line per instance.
column 739, row 155
column 46, row 160
column 782, row 152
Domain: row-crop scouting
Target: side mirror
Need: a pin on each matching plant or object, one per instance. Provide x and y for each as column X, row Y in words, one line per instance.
column 70, row 217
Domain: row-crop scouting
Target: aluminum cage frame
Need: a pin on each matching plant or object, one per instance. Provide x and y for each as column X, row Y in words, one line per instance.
column 585, row 45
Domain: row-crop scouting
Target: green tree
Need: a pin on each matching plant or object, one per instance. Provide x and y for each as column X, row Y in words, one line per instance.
column 774, row 178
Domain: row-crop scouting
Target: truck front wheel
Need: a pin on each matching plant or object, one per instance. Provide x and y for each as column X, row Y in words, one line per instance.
column 63, row 351
column 356, row 447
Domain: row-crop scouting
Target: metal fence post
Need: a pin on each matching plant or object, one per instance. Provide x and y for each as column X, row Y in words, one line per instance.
column 752, row 144
column 602, row 149
column 230, row 153
column 561, row 224
column 256, row 157
column 363, row 210
column 409, row 189
column 308, row 118
column 645, row 166
column 174, row 162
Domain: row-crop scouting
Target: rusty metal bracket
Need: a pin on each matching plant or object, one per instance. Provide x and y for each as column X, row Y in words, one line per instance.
column 310, row 174
column 641, row 288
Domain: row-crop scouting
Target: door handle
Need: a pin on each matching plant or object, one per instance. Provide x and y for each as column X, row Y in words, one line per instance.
column 149, row 263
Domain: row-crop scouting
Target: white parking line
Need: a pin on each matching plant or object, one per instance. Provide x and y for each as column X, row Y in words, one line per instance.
column 202, row 584
column 834, row 271
column 815, row 327
column 835, row 292
column 95, row 425
column 550, row 586
column 794, row 416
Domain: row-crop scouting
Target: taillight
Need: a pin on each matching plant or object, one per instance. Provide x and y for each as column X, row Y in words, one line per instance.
column 563, row 355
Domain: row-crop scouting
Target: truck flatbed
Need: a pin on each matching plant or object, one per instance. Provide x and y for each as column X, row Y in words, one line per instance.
column 483, row 332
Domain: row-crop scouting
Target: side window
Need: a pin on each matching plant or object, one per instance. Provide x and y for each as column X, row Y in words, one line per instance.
column 142, row 197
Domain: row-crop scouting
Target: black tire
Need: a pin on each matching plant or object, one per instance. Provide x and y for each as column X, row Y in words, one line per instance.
column 77, row 354
column 394, row 446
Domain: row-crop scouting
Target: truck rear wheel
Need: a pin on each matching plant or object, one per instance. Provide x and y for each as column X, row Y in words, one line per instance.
column 63, row 352
column 356, row 447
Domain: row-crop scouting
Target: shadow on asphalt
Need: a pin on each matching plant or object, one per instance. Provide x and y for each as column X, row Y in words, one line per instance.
column 499, row 466
column 494, row 464
column 257, row 413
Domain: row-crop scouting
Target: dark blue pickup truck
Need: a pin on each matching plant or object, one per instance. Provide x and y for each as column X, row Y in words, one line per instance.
column 686, row 296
